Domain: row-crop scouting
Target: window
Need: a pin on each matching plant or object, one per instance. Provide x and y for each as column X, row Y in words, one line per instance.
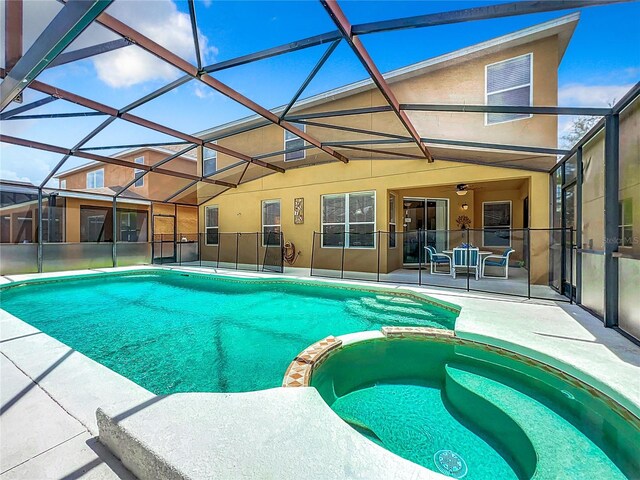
column 209, row 161
column 211, row 226
column 496, row 222
column 625, row 227
column 270, row 222
column 509, row 83
column 95, row 179
column 137, row 171
column 349, row 220
column 133, row 226
column 291, row 142
column 95, row 224
column 63, row 184
column 392, row 221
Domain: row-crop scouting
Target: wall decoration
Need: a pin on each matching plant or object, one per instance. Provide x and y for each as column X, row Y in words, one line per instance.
column 463, row 222
column 298, row 211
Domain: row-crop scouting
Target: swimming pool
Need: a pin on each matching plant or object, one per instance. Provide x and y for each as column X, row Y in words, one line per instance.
column 477, row 412
column 171, row 331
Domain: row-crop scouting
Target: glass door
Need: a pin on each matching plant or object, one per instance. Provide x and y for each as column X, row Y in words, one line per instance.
column 437, row 223
column 164, row 238
column 569, row 240
column 428, row 217
column 414, row 223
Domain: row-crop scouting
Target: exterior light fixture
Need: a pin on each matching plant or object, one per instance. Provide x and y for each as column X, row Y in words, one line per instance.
column 465, row 206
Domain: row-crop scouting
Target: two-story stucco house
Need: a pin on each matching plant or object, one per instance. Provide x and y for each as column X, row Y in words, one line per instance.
column 388, row 186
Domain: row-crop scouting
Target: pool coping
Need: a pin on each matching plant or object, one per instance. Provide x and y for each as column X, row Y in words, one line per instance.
column 34, row 352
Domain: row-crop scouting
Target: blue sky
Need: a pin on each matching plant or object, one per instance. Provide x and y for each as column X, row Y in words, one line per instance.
column 596, row 69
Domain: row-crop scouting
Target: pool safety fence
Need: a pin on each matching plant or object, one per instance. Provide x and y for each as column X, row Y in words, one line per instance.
column 526, row 262
column 251, row 251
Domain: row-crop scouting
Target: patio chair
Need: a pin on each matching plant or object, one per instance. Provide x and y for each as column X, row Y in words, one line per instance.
column 466, row 258
column 436, row 259
column 497, row 261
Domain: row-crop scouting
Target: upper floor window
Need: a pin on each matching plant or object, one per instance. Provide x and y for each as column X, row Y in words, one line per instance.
column 95, row 178
column 509, row 83
column 63, row 184
column 137, row 172
column 294, row 143
column 209, row 161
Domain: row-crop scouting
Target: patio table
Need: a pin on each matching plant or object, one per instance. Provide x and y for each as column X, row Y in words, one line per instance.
column 480, row 254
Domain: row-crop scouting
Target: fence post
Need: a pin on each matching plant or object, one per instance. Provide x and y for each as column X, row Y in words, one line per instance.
column 179, row 250
column 579, row 227
column 467, row 258
column 611, row 212
column 114, row 253
column 571, row 266
column 282, row 252
column 313, row 248
column 257, row 251
column 199, row 237
column 528, row 263
column 420, row 247
column 40, row 229
column 344, row 241
column 237, row 239
column 378, row 274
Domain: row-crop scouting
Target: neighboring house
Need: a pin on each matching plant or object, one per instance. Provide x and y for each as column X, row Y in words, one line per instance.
column 389, row 190
column 92, row 221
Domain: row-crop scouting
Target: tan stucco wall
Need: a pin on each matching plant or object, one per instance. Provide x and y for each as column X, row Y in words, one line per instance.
column 240, row 209
column 459, row 84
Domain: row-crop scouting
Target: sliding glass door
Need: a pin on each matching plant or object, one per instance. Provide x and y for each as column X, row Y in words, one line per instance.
column 426, row 221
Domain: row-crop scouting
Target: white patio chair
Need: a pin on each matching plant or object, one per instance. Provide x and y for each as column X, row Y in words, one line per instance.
column 467, row 259
column 502, row 261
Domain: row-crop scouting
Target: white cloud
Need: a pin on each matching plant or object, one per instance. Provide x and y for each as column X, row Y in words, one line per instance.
column 12, row 176
column 580, row 95
column 161, row 22
column 22, row 165
column 201, row 91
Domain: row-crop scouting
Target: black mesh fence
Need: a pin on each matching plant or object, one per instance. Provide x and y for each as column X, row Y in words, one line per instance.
column 250, row 251
column 532, row 263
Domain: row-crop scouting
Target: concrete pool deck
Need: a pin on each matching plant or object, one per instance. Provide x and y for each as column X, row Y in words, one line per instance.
column 50, row 394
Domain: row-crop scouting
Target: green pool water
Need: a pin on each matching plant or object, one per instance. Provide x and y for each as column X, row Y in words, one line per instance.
column 471, row 413
column 170, row 332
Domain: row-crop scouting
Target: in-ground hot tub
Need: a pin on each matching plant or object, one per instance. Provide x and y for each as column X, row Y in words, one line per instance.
column 472, row 411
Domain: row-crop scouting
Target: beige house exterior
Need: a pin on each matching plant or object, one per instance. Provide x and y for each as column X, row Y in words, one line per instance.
column 491, row 175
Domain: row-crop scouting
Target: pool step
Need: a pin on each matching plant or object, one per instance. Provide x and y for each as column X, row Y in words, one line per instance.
column 398, row 300
column 397, row 309
column 545, row 444
column 386, row 317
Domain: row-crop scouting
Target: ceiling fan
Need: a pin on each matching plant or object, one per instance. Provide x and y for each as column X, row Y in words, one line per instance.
column 462, row 189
